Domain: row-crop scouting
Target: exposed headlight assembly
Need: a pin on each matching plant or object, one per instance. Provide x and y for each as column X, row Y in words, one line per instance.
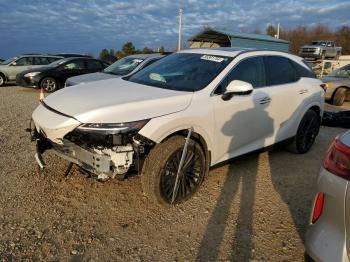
column 113, row 128
column 32, row 74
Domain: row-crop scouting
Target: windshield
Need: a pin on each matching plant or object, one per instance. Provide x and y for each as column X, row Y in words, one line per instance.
column 321, row 43
column 123, row 66
column 182, row 71
column 10, row 60
column 57, row 63
column 341, row 72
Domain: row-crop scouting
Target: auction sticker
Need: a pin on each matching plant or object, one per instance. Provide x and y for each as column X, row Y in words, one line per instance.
column 212, row 58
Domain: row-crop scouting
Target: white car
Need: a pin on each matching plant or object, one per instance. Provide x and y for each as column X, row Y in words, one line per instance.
column 182, row 115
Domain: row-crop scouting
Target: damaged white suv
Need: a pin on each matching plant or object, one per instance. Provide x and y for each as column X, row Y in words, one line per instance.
column 182, row 115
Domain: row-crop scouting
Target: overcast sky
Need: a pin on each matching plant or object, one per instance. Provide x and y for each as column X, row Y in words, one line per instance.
column 87, row 26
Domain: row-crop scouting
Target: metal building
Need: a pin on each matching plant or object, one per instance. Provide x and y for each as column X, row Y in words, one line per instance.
column 221, row 38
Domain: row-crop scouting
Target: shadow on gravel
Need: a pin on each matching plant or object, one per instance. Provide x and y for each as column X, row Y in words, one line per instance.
column 238, row 132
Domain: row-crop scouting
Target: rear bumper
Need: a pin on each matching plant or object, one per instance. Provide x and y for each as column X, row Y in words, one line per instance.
column 326, row 239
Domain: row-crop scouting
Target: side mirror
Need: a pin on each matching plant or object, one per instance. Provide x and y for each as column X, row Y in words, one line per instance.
column 237, row 87
column 13, row 64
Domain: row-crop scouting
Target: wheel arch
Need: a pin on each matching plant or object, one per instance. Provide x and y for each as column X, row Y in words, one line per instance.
column 347, row 93
column 5, row 75
column 199, row 138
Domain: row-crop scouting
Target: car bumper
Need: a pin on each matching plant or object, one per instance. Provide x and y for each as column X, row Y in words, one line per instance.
column 27, row 81
column 326, row 239
column 310, row 55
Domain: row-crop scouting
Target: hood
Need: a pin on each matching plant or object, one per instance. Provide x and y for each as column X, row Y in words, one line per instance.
column 311, row 46
column 117, row 100
column 90, row 77
column 37, row 69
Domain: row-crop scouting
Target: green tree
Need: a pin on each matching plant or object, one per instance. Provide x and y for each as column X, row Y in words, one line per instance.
column 147, row 50
column 103, row 54
column 111, row 52
column 128, row 49
column 271, row 30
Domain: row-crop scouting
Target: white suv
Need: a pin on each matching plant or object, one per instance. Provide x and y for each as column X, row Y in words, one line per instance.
column 183, row 114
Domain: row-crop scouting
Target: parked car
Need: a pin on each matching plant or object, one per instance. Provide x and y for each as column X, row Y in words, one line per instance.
column 11, row 67
column 53, row 76
column 66, row 55
column 327, row 237
column 181, row 115
column 338, row 85
column 122, row 67
column 321, row 50
column 1, row 60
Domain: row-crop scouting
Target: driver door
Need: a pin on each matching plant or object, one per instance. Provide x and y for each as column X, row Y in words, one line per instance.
column 243, row 122
column 73, row 68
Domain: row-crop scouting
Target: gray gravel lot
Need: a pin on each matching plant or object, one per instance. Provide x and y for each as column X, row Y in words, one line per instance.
column 254, row 208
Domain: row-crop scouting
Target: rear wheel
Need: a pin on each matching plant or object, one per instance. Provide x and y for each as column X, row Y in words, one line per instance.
column 161, row 166
column 306, row 134
column 339, row 96
column 49, row 84
column 2, row 80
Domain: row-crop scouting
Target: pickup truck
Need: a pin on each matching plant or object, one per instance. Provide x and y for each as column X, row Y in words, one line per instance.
column 320, row 50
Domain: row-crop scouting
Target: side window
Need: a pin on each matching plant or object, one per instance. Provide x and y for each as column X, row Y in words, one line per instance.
column 301, row 71
column 75, row 65
column 53, row 59
column 25, row 61
column 93, row 64
column 41, row 60
column 249, row 70
column 279, row 71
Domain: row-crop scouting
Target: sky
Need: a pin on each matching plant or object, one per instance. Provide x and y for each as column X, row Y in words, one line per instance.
column 87, row 26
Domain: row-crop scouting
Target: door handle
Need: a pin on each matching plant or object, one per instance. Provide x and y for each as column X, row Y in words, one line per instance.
column 265, row 100
column 303, row 91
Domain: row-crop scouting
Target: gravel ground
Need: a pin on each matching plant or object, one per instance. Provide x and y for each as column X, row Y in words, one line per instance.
column 254, row 208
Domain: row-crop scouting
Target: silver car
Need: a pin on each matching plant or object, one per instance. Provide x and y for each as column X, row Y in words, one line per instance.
column 327, row 238
column 338, row 85
column 15, row 65
column 122, row 67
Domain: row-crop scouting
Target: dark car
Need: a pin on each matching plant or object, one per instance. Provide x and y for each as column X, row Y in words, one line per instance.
column 53, row 76
column 66, row 55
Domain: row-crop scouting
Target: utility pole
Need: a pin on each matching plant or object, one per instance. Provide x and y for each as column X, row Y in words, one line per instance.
column 180, row 29
column 278, row 30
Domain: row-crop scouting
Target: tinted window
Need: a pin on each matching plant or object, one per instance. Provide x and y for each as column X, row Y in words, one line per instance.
column 52, row 59
column 182, row 71
column 94, row 64
column 24, row 61
column 279, row 70
column 41, row 60
column 302, row 71
column 149, row 62
column 74, row 65
column 250, row 70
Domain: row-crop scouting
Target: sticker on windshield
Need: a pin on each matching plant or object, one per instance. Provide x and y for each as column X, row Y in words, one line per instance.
column 212, row 58
column 157, row 77
column 137, row 60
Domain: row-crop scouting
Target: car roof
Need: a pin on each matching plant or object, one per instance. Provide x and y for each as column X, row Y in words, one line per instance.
column 225, row 51
column 40, row 55
column 145, row 56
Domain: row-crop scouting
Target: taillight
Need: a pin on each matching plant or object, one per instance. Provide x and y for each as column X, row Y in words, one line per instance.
column 337, row 160
column 318, row 207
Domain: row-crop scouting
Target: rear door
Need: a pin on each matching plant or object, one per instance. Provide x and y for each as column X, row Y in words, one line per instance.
column 18, row 66
column 287, row 92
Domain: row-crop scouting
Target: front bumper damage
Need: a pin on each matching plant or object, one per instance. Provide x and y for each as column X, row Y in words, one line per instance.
column 102, row 157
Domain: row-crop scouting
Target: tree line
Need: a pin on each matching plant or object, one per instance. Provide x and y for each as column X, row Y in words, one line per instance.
column 303, row 35
column 127, row 49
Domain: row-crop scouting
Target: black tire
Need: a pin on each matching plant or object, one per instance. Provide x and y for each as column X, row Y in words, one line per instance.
column 160, row 169
column 339, row 96
column 49, row 84
column 2, row 80
column 306, row 134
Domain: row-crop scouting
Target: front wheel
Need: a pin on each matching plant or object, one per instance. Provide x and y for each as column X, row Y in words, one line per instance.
column 49, row 84
column 339, row 96
column 161, row 166
column 306, row 134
